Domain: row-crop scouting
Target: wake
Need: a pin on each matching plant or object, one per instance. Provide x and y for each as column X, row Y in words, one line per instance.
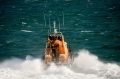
column 86, row 66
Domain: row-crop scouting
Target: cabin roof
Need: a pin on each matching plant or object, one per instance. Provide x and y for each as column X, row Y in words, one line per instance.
column 54, row 34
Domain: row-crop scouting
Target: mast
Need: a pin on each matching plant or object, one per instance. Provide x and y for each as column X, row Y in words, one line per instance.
column 63, row 18
column 49, row 25
column 44, row 19
column 59, row 23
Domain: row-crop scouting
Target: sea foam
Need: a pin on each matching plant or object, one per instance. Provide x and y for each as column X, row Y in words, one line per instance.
column 86, row 66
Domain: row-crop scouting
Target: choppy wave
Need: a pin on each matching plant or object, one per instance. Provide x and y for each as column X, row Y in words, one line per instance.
column 86, row 66
column 86, row 31
column 26, row 31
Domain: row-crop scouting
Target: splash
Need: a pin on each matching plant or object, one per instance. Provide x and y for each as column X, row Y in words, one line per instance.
column 58, row 70
column 27, row 66
column 86, row 62
column 90, row 64
column 86, row 66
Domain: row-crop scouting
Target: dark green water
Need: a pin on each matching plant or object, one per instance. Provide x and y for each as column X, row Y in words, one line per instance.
column 93, row 25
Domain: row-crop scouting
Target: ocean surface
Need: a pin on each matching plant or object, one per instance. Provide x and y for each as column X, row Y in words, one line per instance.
column 90, row 27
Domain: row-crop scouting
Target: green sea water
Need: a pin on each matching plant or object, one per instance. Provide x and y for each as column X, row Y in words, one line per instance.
column 93, row 25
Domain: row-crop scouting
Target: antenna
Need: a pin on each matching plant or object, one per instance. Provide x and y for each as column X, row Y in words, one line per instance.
column 55, row 30
column 44, row 19
column 63, row 18
column 49, row 25
column 54, row 24
column 48, row 32
column 59, row 23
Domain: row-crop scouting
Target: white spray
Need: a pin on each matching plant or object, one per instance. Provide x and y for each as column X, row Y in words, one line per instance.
column 86, row 66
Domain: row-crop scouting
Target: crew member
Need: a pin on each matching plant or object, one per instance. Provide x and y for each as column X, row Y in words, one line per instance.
column 48, row 42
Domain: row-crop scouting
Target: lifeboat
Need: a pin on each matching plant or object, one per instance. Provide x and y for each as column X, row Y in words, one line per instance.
column 56, row 50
